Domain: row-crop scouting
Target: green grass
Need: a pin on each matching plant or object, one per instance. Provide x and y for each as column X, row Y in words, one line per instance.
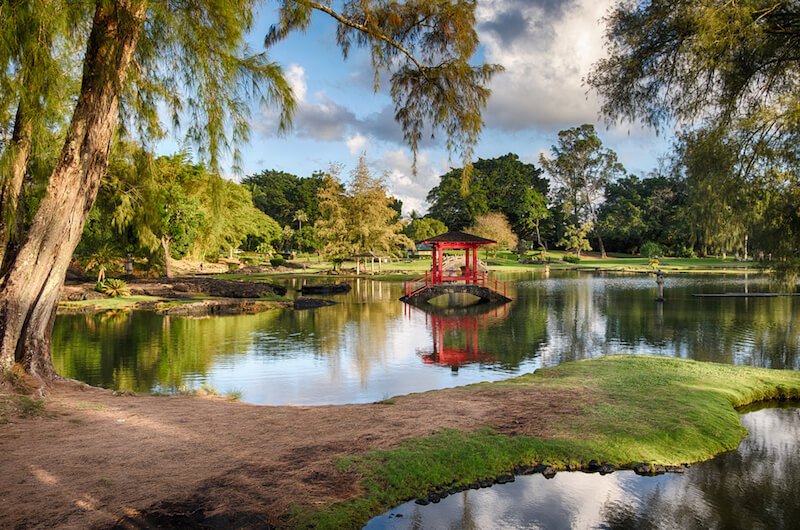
column 108, row 304
column 643, row 409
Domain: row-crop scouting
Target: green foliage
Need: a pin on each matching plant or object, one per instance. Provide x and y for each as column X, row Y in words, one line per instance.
column 581, row 168
column 359, row 219
column 689, row 59
column 655, row 209
column 146, row 202
column 424, row 228
column 114, row 287
column 426, row 46
column 571, row 258
column 575, row 239
column 277, row 261
column 503, row 184
column 651, row 250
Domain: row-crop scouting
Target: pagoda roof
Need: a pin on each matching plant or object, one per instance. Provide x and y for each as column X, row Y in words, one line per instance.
column 457, row 237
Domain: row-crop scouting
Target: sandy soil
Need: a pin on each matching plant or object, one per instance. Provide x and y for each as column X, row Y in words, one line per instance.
column 96, row 460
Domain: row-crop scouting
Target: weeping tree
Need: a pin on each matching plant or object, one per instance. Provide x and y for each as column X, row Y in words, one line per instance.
column 732, row 68
column 192, row 57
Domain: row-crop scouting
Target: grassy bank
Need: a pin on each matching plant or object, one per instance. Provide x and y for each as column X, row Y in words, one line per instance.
column 636, row 409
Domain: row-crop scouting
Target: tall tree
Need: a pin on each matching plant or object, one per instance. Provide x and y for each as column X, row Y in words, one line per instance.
column 359, row 219
column 581, row 168
column 192, row 55
column 504, row 184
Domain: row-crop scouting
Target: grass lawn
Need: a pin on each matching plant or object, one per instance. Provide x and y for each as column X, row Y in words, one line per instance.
column 637, row 409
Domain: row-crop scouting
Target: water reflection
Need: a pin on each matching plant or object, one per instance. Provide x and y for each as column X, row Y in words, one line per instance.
column 456, row 333
column 753, row 487
column 371, row 346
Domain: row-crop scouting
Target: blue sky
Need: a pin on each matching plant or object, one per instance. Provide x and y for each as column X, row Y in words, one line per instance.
column 546, row 47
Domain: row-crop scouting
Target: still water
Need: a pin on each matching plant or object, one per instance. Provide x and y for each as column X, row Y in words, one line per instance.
column 755, row 486
column 371, row 346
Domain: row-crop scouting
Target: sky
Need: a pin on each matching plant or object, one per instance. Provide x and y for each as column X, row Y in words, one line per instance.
column 546, row 46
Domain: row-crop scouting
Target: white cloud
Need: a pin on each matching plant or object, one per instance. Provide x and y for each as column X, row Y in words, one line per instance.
column 356, row 143
column 547, row 51
column 296, row 77
column 403, row 184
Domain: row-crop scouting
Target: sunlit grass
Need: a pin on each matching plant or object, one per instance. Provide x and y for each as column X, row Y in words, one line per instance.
column 643, row 409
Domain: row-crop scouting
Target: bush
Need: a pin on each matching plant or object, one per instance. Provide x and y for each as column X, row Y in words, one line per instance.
column 114, row 287
column 651, row 250
column 571, row 258
column 277, row 261
column 686, row 252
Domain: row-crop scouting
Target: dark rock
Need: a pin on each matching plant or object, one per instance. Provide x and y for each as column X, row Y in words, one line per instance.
column 573, row 467
column 549, row 472
column 675, row 469
column 648, row 469
column 504, row 479
column 475, row 486
column 525, row 470
column 485, row 483
column 422, row 501
column 592, row 467
column 435, row 497
column 328, row 288
column 312, row 303
column 605, row 469
column 539, row 468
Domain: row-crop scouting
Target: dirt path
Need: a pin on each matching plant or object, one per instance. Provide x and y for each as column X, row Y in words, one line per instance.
column 95, row 460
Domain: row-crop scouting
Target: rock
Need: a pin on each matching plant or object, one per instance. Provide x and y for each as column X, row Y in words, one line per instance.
column 328, row 288
column 675, row 469
column 504, row 479
column 549, row 472
column 422, row 501
column 648, row 469
column 573, row 467
column 592, row 467
column 525, row 470
column 93, row 295
column 605, row 469
column 312, row 303
column 486, row 483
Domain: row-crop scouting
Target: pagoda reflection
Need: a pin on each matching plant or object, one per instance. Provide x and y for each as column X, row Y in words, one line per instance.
column 456, row 332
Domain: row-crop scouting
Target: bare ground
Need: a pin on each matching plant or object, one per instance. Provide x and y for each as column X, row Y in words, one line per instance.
column 94, row 459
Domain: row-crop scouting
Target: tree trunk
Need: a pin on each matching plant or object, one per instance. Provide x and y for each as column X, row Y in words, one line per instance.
column 167, row 263
column 29, row 291
column 11, row 189
column 602, row 246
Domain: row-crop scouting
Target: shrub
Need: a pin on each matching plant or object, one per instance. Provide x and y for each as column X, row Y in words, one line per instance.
column 277, row 261
column 686, row 252
column 571, row 258
column 651, row 250
column 114, row 287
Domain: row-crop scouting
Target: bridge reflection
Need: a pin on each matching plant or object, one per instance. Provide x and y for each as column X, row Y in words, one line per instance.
column 456, row 332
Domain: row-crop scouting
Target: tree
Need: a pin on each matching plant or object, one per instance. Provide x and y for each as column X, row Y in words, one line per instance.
column 731, row 66
column 503, row 184
column 192, row 56
column 359, row 219
column 494, row 226
column 581, row 169
column 575, row 239
column 423, row 228
column 688, row 59
column 655, row 208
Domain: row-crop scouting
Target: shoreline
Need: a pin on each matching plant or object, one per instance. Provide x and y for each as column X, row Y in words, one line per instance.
column 196, row 460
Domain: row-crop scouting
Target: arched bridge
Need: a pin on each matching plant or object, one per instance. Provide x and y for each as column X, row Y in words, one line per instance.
column 422, row 296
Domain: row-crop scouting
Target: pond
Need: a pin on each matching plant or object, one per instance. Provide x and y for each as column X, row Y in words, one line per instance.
column 753, row 487
column 370, row 346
